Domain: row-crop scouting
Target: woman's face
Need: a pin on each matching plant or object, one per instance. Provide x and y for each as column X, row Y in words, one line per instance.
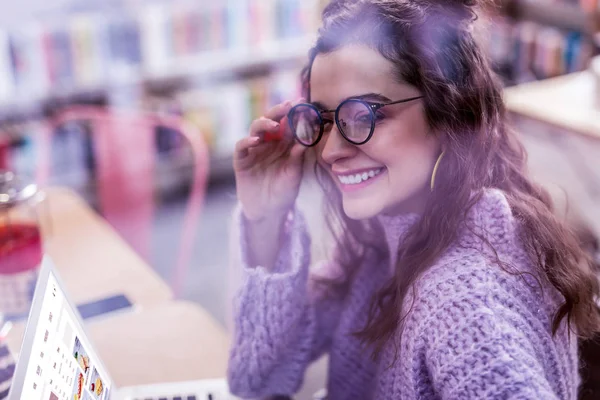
column 398, row 159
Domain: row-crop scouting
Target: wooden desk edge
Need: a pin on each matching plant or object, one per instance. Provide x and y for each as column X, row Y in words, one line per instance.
column 517, row 103
column 67, row 197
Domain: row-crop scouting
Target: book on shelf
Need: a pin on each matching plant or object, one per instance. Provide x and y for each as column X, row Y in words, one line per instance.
column 125, row 49
column 89, row 49
column 58, row 53
column 155, row 44
column 238, row 22
column 523, row 51
column 29, row 64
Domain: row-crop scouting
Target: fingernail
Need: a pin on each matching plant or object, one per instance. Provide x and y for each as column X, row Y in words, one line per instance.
column 274, row 124
column 254, row 139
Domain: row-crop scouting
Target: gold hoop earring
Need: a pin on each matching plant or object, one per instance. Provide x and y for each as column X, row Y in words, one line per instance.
column 435, row 169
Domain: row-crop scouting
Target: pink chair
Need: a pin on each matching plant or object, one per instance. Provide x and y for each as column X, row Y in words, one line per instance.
column 124, row 150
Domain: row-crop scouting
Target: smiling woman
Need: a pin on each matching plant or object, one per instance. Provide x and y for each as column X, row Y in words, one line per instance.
column 401, row 148
column 451, row 276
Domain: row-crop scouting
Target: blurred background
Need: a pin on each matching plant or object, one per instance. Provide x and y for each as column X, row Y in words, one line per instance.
column 213, row 66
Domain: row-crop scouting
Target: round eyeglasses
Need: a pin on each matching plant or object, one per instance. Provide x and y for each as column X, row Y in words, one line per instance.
column 355, row 119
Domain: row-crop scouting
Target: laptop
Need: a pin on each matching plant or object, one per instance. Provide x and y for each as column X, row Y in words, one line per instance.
column 59, row 362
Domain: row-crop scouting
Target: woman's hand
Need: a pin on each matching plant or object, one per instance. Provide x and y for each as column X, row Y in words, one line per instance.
column 268, row 172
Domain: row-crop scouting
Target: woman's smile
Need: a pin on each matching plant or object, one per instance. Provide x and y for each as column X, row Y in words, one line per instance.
column 357, row 179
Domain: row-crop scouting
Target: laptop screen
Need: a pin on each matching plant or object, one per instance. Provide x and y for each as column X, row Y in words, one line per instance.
column 62, row 363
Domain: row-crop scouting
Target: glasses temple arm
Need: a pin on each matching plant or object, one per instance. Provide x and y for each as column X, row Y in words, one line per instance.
column 403, row 100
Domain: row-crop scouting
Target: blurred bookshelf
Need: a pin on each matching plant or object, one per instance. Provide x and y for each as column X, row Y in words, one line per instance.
column 530, row 40
column 218, row 64
column 90, row 52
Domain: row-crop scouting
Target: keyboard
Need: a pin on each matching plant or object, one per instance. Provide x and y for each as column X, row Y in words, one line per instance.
column 191, row 397
column 207, row 389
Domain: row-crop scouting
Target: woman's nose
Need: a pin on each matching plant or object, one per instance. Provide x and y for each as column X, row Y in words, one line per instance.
column 335, row 147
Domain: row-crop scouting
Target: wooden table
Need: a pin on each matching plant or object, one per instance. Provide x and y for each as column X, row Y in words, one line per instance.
column 566, row 102
column 93, row 261
column 177, row 341
column 559, row 122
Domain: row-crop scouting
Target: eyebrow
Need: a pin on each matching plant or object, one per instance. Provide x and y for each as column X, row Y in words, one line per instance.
column 366, row 96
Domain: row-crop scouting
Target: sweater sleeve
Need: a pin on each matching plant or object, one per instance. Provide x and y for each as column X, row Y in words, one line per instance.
column 7, row 369
column 482, row 346
column 280, row 325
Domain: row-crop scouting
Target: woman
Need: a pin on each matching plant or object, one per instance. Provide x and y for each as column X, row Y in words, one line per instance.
column 452, row 278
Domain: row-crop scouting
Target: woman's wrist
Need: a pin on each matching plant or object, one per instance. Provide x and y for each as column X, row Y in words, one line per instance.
column 270, row 221
column 264, row 238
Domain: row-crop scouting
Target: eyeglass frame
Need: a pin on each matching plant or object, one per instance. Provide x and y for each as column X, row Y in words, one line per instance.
column 372, row 106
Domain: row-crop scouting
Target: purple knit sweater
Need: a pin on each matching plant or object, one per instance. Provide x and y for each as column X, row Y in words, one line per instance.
column 475, row 331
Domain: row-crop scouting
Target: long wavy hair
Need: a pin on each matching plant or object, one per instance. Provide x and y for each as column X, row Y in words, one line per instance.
column 432, row 46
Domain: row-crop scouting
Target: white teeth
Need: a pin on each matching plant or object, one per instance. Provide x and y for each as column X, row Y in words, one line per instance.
column 359, row 178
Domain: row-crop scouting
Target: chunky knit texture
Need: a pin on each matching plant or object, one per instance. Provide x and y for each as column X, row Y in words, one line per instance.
column 475, row 331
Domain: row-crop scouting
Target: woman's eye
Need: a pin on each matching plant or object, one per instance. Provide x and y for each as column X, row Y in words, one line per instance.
column 363, row 118
column 379, row 116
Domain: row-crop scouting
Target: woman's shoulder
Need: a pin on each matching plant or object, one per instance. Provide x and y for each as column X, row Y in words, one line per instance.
column 471, row 270
column 460, row 294
column 489, row 225
column 487, row 267
column 469, row 277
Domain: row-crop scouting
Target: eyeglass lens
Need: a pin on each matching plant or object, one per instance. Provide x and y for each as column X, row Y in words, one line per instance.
column 305, row 122
column 354, row 117
column 355, row 120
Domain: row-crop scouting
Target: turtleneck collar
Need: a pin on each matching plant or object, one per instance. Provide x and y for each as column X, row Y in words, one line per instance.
column 490, row 218
column 394, row 229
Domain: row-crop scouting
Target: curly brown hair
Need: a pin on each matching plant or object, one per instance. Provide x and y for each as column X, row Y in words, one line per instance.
column 432, row 47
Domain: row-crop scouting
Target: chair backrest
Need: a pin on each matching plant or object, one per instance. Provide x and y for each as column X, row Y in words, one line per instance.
column 124, row 151
column 4, row 150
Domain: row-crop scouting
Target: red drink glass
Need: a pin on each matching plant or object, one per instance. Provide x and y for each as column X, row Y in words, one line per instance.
column 21, row 249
